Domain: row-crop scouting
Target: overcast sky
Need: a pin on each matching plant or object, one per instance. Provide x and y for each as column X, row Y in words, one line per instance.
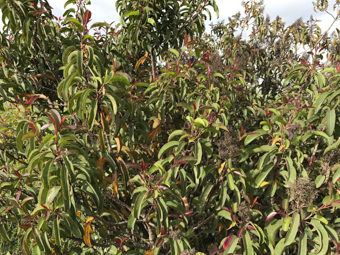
column 289, row 10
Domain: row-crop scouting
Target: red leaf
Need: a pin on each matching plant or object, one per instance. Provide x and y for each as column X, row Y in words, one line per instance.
column 270, row 216
column 250, row 227
column 309, row 126
column 32, row 100
column 242, row 130
column 238, row 173
column 44, row 206
column 32, row 126
column 338, row 66
column 18, row 196
column 17, row 173
column 227, row 242
column 87, row 17
column 240, row 232
column 47, row 125
column 188, row 212
column 8, row 208
column 254, row 202
column 62, row 121
column 53, row 121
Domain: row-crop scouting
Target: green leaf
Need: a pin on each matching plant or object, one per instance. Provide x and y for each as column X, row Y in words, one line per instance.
column 323, row 237
column 319, row 180
column 219, row 75
column 286, row 223
column 303, row 244
column 272, row 229
column 173, row 247
column 100, row 24
column 279, row 248
column 294, row 227
column 120, row 78
column 167, row 147
column 332, row 233
column 230, row 180
column 175, row 52
column 132, row 13
column 248, row 243
column 199, row 122
column 232, row 246
column 330, row 119
column 66, row 53
column 65, row 186
column 139, row 203
column 75, row 22
column 252, row 136
column 38, row 239
column 92, row 115
column 73, row 225
column 52, row 193
column 322, row 134
column 264, row 148
column 3, row 233
column 291, row 170
column 262, row 176
column 113, row 103
column 80, row 62
column 333, row 146
column 175, row 133
column 56, row 231
column 336, row 175
column 321, row 98
column 207, row 189
column 151, row 21
column 320, row 218
column 225, row 214
column 199, row 152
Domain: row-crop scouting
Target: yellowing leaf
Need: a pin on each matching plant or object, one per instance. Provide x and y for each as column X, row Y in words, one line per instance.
column 100, row 165
column 151, row 216
column 118, row 144
column 89, row 219
column 263, row 184
column 128, row 152
column 79, row 215
column 221, row 167
column 232, row 225
column 276, row 140
column 141, row 60
column 149, row 252
column 281, row 147
column 87, row 232
column 114, row 184
column 153, row 134
column 156, row 123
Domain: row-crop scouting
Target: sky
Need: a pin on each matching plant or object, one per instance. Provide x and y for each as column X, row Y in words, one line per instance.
column 289, row 10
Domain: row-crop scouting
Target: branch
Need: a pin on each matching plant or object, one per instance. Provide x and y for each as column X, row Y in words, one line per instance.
column 92, row 242
column 203, row 222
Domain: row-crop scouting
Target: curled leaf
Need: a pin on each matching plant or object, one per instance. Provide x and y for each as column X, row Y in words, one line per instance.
column 87, row 232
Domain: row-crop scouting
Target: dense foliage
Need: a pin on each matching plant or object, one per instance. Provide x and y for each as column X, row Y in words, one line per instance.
column 154, row 137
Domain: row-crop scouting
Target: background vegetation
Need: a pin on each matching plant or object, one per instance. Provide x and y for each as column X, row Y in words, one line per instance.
column 156, row 138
